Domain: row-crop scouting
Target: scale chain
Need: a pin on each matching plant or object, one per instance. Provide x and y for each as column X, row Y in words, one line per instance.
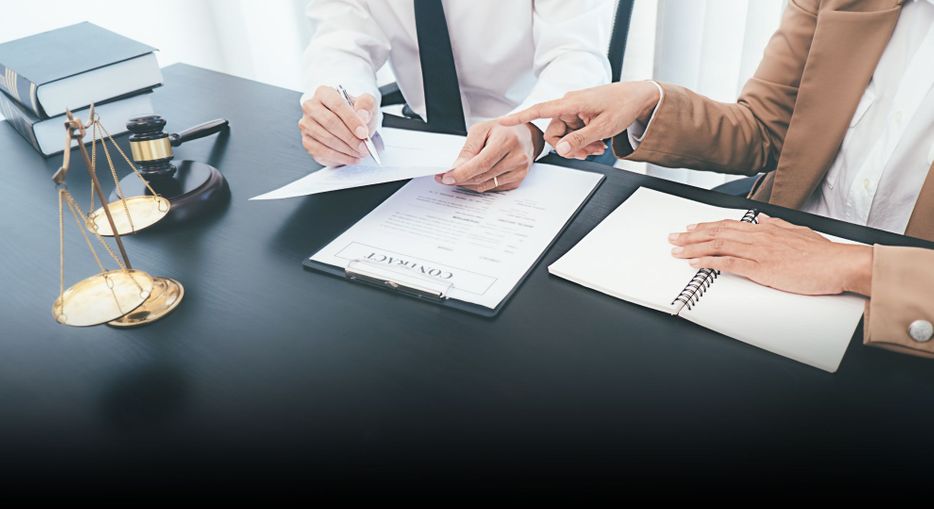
column 127, row 159
column 75, row 211
column 93, row 162
column 113, row 172
column 61, row 245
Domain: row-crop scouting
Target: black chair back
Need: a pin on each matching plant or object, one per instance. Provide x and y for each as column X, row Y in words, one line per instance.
column 619, row 36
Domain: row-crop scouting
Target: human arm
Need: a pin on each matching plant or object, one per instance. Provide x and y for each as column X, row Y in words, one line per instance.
column 346, row 49
column 899, row 281
column 570, row 52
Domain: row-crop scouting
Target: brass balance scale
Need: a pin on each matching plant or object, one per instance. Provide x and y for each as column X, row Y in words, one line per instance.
column 121, row 297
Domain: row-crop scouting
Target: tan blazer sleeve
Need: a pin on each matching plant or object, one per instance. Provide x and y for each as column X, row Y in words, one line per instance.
column 689, row 130
column 902, row 293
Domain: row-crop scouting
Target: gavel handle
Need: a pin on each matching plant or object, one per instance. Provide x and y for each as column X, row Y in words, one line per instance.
column 199, row 131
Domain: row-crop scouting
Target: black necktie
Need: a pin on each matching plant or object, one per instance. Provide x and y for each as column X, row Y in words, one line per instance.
column 439, row 75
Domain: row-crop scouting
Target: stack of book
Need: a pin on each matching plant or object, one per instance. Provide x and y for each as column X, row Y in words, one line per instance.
column 70, row 68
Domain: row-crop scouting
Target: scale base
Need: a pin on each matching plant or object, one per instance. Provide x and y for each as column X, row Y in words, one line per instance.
column 194, row 189
column 166, row 295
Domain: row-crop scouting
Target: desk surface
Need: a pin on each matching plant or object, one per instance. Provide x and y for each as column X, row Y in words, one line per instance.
column 269, row 372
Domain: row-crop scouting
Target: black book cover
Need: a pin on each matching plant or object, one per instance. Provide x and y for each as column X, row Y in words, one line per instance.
column 24, row 121
column 28, row 63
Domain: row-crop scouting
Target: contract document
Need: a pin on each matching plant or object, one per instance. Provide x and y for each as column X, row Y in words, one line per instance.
column 406, row 154
column 469, row 247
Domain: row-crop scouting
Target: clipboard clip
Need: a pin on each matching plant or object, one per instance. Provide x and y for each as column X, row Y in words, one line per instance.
column 386, row 277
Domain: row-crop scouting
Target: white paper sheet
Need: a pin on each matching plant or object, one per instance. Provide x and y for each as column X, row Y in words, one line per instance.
column 406, row 154
column 479, row 244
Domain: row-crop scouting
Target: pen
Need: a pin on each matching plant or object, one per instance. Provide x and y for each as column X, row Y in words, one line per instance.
column 370, row 147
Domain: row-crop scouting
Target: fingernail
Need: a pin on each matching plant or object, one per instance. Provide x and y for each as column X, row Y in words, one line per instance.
column 364, row 115
column 673, row 237
column 677, row 250
column 360, row 131
column 362, row 148
column 694, row 263
column 563, row 148
column 447, row 179
column 691, row 227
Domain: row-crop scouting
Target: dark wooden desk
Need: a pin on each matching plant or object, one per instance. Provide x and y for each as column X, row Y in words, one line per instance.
column 271, row 374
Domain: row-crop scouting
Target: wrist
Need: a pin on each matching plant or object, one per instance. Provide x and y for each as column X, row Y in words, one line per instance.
column 650, row 97
column 858, row 276
column 538, row 140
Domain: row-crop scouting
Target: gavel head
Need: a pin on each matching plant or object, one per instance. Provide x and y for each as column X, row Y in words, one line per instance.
column 151, row 146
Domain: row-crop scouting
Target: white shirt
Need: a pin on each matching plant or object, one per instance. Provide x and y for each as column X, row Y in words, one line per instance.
column 509, row 54
column 889, row 147
column 877, row 176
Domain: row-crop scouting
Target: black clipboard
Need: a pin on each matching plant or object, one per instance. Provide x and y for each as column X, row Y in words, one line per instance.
column 435, row 293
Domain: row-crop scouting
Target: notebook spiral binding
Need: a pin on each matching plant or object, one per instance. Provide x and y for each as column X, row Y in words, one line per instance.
column 696, row 288
column 704, row 278
column 751, row 216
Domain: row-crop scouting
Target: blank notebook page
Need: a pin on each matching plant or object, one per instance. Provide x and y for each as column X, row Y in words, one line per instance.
column 815, row 330
column 628, row 255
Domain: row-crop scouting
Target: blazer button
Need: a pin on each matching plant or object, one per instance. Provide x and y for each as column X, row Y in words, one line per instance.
column 921, row 330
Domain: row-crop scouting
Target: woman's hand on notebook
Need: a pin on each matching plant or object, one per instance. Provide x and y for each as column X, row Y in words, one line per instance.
column 581, row 120
column 778, row 254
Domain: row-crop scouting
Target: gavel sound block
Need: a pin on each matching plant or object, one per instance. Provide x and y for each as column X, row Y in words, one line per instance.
column 193, row 188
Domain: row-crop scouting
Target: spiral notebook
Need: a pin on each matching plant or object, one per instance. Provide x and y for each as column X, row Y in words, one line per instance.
column 628, row 256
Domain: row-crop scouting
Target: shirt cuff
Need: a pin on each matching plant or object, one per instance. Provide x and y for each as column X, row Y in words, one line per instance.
column 542, row 124
column 637, row 130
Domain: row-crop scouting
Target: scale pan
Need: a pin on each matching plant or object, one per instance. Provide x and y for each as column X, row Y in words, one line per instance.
column 102, row 297
column 144, row 210
column 166, row 294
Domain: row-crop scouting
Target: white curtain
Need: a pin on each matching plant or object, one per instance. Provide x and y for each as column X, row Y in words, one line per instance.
column 257, row 39
column 712, row 47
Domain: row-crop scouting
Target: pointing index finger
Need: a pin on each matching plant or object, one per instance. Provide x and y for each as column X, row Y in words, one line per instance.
column 548, row 109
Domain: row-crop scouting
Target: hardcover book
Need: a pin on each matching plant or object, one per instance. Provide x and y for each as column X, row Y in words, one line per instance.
column 73, row 67
column 48, row 135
